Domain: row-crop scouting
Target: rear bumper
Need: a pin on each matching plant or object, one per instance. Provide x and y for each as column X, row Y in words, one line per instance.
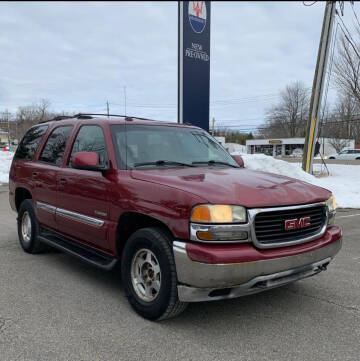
column 247, row 270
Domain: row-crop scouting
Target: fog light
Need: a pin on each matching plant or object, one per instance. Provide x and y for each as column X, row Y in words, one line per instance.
column 204, row 235
column 222, row 235
column 331, row 219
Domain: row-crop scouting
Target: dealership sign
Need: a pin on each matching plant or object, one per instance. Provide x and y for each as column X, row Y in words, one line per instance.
column 194, row 63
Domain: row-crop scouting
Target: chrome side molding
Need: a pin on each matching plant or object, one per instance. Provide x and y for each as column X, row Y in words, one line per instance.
column 71, row 215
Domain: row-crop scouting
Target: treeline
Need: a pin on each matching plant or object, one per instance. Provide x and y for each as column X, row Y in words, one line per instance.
column 232, row 136
column 340, row 119
column 26, row 116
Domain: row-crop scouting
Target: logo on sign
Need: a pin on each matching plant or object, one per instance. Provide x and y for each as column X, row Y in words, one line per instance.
column 291, row 224
column 197, row 15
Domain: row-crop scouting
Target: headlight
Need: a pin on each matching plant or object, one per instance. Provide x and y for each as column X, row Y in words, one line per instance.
column 218, row 213
column 331, row 204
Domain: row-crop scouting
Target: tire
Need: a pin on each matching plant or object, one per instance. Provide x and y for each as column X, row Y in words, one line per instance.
column 358, row 158
column 331, row 157
column 148, row 257
column 28, row 228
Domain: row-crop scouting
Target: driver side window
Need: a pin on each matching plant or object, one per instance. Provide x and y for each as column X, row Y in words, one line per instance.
column 90, row 138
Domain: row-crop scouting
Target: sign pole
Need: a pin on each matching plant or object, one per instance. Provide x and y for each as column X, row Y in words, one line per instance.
column 194, row 62
column 180, row 60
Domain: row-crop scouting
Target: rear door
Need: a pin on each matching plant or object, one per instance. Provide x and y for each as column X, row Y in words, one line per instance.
column 44, row 174
column 83, row 195
column 22, row 168
column 354, row 153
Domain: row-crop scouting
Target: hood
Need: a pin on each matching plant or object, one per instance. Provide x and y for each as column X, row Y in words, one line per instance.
column 240, row 186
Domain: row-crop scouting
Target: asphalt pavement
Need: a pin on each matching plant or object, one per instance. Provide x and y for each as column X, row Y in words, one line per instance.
column 54, row 307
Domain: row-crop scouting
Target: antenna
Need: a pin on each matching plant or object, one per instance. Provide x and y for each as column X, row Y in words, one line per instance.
column 125, row 99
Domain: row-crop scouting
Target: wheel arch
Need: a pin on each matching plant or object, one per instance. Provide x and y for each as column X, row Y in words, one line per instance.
column 130, row 222
column 21, row 194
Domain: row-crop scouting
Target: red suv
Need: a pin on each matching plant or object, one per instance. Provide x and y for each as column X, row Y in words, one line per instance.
column 183, row 218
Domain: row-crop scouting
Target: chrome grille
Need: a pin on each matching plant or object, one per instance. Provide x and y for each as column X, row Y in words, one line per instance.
column 269, row 226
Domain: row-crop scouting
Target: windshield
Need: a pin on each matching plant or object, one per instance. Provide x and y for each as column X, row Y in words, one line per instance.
column 158, row 146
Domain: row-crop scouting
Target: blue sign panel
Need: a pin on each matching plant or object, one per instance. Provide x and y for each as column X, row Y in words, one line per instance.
column 194, row 63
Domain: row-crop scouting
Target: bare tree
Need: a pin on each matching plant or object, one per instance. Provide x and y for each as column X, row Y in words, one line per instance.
column 347, row 70
column 339, row 143
column 29, row 115
column 288, row 117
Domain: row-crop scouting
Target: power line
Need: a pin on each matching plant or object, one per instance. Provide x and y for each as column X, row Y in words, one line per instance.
column 348, row 37
column 309, row 4
column 329, row 76
column 357, row 19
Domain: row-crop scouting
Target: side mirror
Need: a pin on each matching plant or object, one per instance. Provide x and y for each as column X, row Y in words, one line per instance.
column 87, row 161
column 238, row 159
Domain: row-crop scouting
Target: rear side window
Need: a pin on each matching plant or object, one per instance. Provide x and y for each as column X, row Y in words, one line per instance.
column 55, row 145
column 91, row 139
column 30, row 142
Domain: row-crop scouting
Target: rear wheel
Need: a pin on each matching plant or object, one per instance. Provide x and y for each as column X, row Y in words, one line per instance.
column 358, row 158
column 149, row 275
column 331, row 157
column 28, row 228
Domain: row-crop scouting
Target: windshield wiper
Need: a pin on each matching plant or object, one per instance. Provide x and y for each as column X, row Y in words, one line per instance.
column 163, row 162
column 211, row 162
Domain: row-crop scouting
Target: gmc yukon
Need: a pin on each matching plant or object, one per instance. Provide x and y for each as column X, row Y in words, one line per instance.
column 183, row 219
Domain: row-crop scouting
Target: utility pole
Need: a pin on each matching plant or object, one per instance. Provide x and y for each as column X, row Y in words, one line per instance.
column 107, row 107
column 318, row 87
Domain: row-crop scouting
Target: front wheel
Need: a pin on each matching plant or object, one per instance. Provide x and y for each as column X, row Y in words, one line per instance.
column 149, row 275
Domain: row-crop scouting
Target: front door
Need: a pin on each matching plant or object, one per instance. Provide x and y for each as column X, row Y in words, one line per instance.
column 83, row 195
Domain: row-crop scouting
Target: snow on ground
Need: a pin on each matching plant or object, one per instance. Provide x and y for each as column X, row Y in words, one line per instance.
column 5, row 163
column 343, row 181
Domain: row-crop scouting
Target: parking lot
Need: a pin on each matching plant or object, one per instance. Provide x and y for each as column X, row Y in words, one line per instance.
column 54, row 307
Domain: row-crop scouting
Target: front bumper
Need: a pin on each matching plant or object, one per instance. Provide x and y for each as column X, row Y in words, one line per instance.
column 213, row 273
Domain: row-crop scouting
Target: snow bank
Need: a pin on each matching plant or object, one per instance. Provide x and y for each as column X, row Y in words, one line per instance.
column 343, row 181
column 5, row 163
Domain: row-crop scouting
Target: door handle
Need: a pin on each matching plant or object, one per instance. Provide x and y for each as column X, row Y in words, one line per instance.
column 35, row 174
column 62, row 180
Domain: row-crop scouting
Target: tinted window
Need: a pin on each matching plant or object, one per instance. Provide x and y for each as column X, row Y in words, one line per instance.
column 91, row 139
column 30, row 142
column 150, row 144
column 55, row 145
column 119, row 139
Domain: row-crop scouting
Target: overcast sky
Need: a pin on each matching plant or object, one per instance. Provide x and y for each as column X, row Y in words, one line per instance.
column 81, row 54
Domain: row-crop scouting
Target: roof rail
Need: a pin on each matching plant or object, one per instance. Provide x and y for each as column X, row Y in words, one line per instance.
column 90, row 115
column 127, row 117
column 59, row 117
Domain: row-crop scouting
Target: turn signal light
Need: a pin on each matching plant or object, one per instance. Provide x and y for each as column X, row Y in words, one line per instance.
column 201, row 214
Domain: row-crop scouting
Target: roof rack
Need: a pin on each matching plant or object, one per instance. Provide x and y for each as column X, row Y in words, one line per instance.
column 90, row 116
column 127, row 117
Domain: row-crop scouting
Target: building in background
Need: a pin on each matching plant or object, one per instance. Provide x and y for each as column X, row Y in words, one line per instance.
column 231, row 147
column 288, row 146
column 4, row 138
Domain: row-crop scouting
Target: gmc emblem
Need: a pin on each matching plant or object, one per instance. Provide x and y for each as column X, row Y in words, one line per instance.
column 291, row 224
